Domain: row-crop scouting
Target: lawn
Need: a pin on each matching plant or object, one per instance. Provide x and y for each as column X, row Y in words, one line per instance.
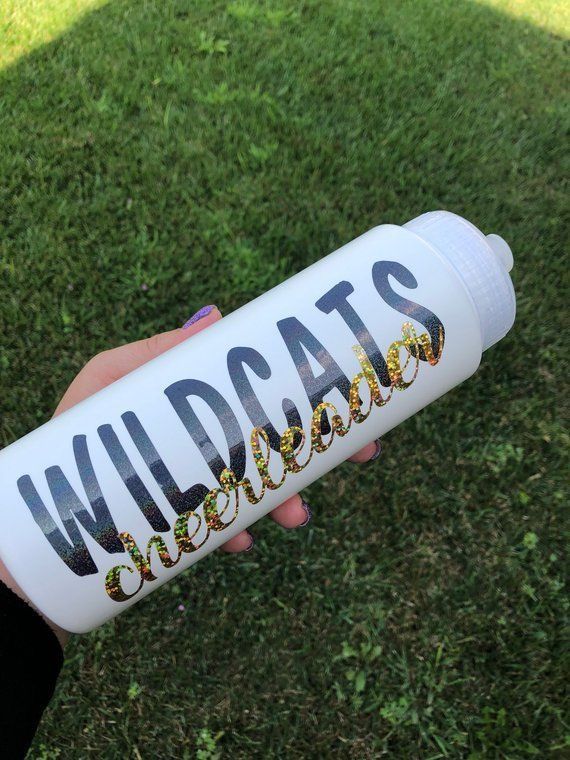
column 158, row 155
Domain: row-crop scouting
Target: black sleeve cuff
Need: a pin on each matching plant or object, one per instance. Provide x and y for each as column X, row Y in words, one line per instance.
column 31, row 658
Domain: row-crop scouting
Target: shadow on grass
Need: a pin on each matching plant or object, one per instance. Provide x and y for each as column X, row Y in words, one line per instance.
column 159, row 156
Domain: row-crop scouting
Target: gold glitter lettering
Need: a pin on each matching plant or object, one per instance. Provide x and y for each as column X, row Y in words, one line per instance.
column 184, row 540
column 289, row 451
column 410, row 342
column 262, row 460
column 212, row 514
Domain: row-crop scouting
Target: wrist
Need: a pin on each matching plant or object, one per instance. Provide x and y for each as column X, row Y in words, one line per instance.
column 5, row 578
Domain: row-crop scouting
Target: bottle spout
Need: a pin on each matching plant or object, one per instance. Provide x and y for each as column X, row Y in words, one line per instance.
column 483, row 263
column 502, row 251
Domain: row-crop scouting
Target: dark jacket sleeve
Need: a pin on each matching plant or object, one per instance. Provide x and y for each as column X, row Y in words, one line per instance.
column 30, row 661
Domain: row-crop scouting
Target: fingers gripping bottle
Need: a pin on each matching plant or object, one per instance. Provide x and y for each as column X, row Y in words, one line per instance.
column 111, row 499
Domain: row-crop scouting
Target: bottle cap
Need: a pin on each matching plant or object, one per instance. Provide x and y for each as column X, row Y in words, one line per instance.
column 482, row 261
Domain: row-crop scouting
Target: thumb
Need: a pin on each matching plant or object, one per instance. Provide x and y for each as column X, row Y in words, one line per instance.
column 111, row 365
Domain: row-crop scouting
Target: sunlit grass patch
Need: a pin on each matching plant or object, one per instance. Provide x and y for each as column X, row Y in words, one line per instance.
column 27, row 24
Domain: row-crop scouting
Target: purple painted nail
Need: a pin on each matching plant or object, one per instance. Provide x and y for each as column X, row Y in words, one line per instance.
column 377, row 452
column 203, row 312
column 250, row 547
column 308, row 512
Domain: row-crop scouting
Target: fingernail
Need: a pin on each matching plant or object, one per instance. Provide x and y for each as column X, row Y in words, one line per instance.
column 377, row 452
column 308, row 512
column 203, row 312
column 250, row 547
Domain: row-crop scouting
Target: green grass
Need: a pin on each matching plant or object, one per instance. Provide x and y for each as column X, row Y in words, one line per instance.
column 156, row 156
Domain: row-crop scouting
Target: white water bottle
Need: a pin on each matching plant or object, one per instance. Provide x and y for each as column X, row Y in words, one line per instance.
column 114, row 497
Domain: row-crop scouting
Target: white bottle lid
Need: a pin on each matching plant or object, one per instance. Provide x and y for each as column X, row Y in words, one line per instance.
column 483, row 263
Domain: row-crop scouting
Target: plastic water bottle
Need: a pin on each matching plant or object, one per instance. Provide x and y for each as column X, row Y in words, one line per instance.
column 114, row 497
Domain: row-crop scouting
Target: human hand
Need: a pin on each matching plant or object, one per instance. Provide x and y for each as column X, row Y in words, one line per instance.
column 108, row 366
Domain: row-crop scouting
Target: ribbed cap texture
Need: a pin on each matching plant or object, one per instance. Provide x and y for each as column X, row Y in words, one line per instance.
column 480, row 268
